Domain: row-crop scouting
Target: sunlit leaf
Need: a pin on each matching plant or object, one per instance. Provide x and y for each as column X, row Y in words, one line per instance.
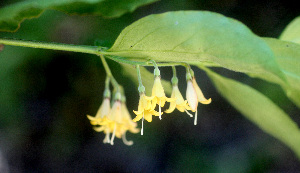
column 260, row 110
column 292, row 32
column 197, row 37
column 12, row 15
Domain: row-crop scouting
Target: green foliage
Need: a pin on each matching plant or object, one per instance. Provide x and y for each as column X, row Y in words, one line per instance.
column 11, row 16
column 259, row 109
column 287, row 55
column 196, row 37
column 193, row 37
column 292, row 31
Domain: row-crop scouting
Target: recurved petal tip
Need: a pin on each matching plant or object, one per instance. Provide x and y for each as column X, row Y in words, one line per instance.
column 208, row 101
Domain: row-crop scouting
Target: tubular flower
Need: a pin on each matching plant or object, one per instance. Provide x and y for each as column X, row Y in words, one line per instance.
column 118, row 122
column 180, row 103
column 127, row 119
column 200, row 95
column 191, row 96
column 101, row 115
column 145, row 110
column 159, row 96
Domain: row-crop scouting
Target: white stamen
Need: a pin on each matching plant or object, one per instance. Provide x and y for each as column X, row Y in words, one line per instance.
column 191, row 115
column 113, row 136
column 129, row 143
column 195, row 121
column 106, row 139
column 142, row 130
column 159, row 109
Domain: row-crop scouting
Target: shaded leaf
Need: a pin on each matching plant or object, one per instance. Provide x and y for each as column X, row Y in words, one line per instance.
column 287, row 55
column 12, row 15
column 292, row 31
column 259, row 109
column 197, row 37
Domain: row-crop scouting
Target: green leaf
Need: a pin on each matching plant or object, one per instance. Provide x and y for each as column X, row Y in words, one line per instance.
column 147, row 78
column 259, row 109
column 12, row 15
column 197, row 37
column 292, row 31
column 287, row 55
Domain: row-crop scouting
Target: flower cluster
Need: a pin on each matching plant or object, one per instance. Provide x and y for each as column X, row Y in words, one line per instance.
column 114, row 119
column 147, row 104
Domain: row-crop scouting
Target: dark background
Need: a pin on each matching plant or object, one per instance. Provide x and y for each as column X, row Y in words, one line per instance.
column 45, row 96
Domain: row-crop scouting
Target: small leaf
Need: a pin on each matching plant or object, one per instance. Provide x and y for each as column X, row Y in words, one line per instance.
column 287, row 55
column 197, row 37
column 259, row 109
column 292, row 31
column 12, row 15
column 147, row 78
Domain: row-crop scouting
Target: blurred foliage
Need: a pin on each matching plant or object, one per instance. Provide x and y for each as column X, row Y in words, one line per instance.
column 46, row 94
column 12, row 15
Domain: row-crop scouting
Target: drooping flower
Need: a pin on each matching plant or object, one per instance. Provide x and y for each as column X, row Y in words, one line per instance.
column 128, row 123
column 159, row 96
column 200, row 95
column 180, row 103
column 191, row 96
column 194, row 94
column 101, row 115
column 145, row 110
column 118, row 122
column 128, row 120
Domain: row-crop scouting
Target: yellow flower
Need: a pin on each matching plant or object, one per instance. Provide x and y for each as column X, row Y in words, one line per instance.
column 129, row 124
column 191, row 97
column 101, row 114
column 194, row 95
column 118, row 122
column 200, row 95
column 145, row 110
column 128, row 121
column 159, row 96
column 180, row 103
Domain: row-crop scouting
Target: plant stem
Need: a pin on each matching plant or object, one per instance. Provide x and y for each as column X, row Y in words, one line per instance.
column 96, row 50
column 174, row 71
column 141, row 87
column 53, row 46
column 139, row 75
column 109, row 74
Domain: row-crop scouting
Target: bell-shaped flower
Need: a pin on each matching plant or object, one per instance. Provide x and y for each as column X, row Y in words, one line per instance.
column 200, row 95
column 145, row 110
column 159, row 96
column 180, row 103
column 101, row 115
column 128, row 120
column 118, row 122
column 114, row 124
column 130, row 125
column 191, row 96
